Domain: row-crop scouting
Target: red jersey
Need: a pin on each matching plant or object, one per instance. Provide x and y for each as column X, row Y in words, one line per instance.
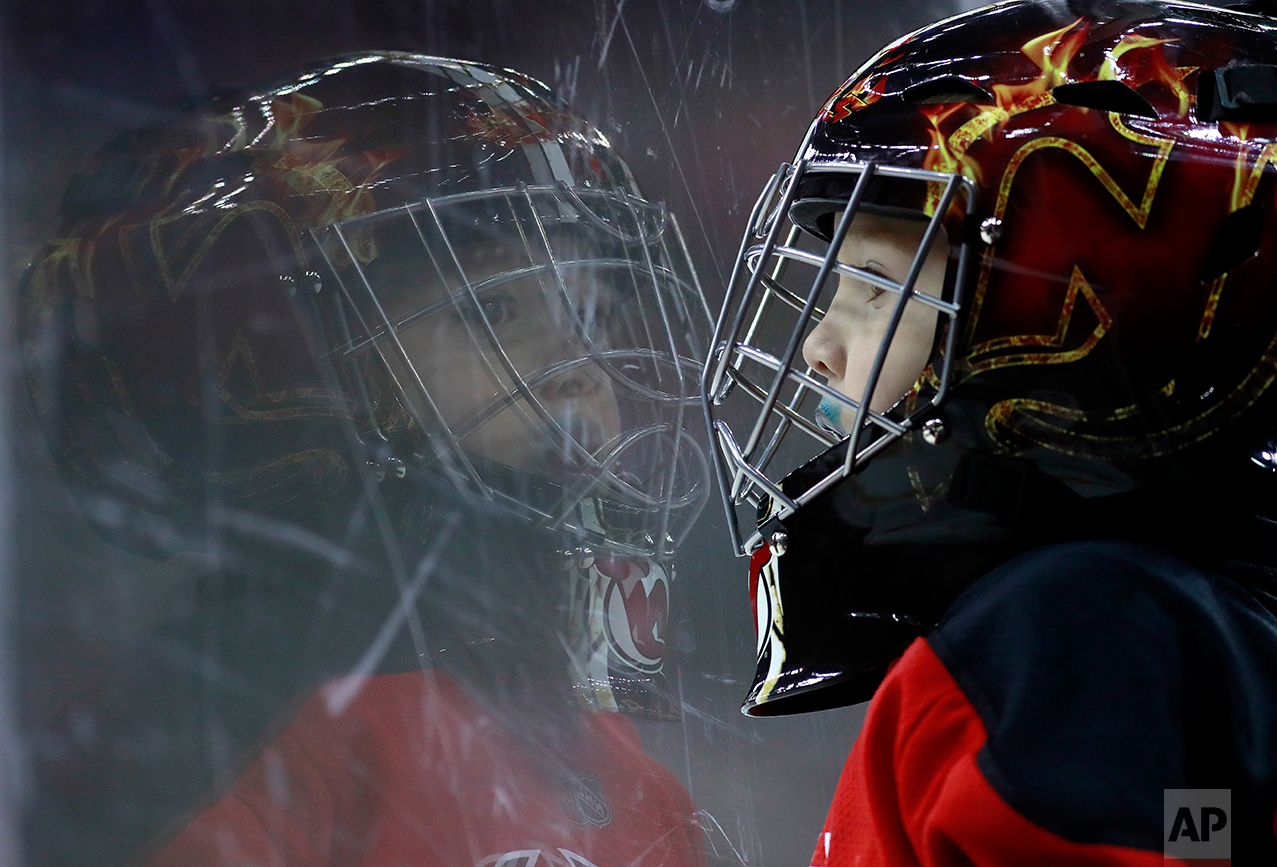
column 1045, row 718
column 413, row 772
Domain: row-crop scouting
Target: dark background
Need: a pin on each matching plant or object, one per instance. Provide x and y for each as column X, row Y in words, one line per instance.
column 703, row 98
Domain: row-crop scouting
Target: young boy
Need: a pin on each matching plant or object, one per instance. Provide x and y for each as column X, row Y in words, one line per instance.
column 1027, row 257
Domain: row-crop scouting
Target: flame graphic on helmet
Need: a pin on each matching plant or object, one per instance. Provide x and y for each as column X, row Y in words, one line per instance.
column 1136, row 59
column 963, row 138
column 1147, row 64
column 510, row 129
column 1052, row 53
column 943, row 156
column 863, row 94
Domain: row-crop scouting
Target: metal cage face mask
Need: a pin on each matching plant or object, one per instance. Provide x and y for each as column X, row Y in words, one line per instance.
column 879, row 364
column 545, row 340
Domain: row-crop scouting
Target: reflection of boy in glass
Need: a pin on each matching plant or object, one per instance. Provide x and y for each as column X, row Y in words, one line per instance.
column 536, row 325
column 400, row 337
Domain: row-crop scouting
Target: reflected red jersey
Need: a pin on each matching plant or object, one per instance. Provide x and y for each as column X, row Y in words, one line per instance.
column 413, row 772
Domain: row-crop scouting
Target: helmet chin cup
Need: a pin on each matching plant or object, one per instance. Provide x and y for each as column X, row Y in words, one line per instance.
column 875, row 561
column 618, row 627
column 801, row 666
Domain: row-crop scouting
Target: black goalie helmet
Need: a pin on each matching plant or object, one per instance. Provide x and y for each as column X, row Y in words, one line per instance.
column 386, row 269
column 1001, row 297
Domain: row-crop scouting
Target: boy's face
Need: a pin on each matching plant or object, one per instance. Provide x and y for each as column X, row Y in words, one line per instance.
column 842, row 347
column 538, row 327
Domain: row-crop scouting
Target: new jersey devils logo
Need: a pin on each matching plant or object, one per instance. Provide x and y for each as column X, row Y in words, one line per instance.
column 636, row 603
column 618, row 617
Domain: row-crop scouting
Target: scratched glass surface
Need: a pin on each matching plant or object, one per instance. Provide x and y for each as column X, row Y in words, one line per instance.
column 482, row 671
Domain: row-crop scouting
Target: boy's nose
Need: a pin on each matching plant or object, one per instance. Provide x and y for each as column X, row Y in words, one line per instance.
column 825, row 351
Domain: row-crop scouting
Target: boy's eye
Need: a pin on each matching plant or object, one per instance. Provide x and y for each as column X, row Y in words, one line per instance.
column 497, row 307
column 873, row 293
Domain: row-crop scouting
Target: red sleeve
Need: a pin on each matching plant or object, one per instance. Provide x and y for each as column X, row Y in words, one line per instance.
column 413, row 772
column 911, row 792
column 285, row 807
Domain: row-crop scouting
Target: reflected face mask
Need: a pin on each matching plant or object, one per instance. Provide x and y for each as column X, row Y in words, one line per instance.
column 547, row 344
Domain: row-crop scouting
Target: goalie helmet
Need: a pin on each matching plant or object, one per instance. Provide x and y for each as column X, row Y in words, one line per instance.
column 385, row 268
column 999, row 299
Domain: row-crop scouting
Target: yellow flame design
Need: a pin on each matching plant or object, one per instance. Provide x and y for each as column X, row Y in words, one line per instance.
column 1052, row 53
column 1078, row 285
column 1147, row 51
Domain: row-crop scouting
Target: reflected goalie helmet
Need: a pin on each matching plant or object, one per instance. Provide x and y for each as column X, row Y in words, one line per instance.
column 385, row 268
column 1100, row 181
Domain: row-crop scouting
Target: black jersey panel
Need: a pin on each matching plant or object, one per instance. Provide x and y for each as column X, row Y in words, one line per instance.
column 1106, row 672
